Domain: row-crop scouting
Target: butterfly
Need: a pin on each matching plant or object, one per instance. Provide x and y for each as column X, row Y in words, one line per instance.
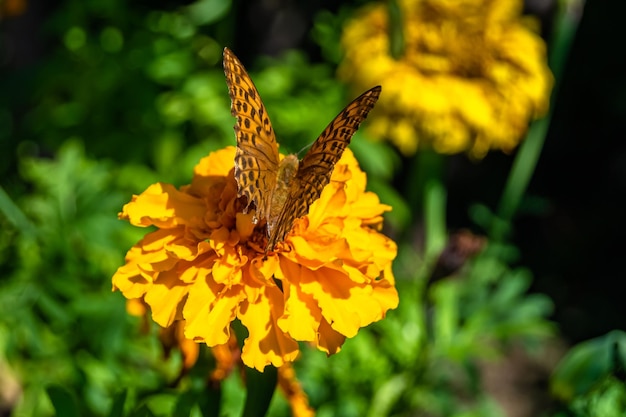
column 283, row 191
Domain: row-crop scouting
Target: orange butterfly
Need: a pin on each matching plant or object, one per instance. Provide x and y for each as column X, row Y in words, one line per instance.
column 282, row 191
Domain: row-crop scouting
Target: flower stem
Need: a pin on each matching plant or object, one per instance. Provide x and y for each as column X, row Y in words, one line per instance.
column 434, row 217
column 519, row 177
column 396, row 34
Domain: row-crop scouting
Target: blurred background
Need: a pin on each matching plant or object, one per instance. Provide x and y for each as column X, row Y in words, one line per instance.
column 99, row 99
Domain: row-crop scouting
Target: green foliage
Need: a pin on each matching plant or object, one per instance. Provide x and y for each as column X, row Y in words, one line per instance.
column 591, row 376
column 607, row 399
column 63, row 401
column 60, row 323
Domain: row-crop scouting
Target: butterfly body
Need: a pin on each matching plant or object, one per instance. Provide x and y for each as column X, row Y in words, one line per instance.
column 282, row 191
column 285, row 178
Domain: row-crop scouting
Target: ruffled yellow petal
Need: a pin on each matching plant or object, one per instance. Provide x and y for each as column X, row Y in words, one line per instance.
column 165, row 297
column 136, row 307
column 164, row 206
column 339, row 299
column 302, row 315
column 266, row 343
column 143, row 264
column 329, row 340
column 217, row 164
column 209, row 310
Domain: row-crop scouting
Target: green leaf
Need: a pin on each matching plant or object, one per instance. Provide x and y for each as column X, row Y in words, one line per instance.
column 185, row 403
column 387, row 395
column 261, row 387
column 117, row 410
column 210, row 401
column 207, row 11
column 63, row 401
column 142, row 411
column 587, row 363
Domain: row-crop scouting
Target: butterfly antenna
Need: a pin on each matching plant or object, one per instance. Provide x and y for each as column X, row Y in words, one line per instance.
column 306, row 148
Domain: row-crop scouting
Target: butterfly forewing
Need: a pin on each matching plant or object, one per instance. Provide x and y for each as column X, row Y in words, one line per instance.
column 256, row 158
column 317, row 166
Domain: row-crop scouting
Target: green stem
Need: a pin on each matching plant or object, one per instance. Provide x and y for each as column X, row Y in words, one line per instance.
column 426, row 193
column 396, row 34
column 434, row 217
column 521, row 172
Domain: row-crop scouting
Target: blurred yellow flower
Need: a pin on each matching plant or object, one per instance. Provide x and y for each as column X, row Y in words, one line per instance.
column 205, row 264
column 471, row 77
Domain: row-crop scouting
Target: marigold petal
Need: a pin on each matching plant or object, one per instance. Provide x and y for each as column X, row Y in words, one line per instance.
column 329, row 340
column 216, row 164
column 144, row 261
column 302, row 316
column 356, row 180
column 361, row 244
column 166, row 297
column 189, row 272
column 227, row 268
column 261, row 270
column 266, row 343
column 245, row 226
column 346, row 305
column 316, row 252
column 136, row 307
column 331, row 202
column 162, row 205
column 130, row 281
column 332, row 291
column 209, row 311
column 154, row 242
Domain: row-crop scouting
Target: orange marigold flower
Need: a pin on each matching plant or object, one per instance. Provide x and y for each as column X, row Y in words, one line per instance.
column 205, row 264
column 470, row 78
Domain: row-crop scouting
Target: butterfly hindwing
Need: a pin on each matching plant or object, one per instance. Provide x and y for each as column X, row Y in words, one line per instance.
column 256, row 158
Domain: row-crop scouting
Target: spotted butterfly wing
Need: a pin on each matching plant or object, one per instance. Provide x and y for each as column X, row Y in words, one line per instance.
column 316, row 167
column 256, row 158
